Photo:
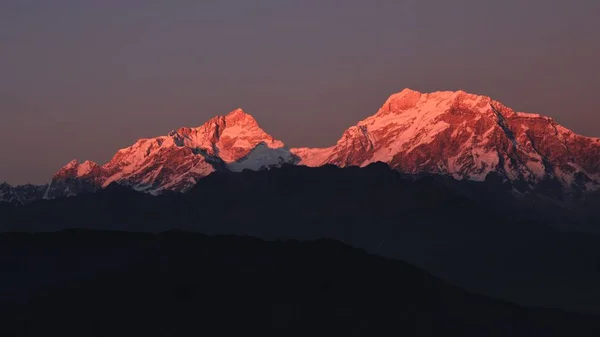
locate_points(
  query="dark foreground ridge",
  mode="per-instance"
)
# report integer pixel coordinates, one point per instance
(287, 193)
(185, 284)
(474, 235)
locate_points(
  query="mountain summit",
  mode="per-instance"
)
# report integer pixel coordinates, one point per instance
(466, 136)
(457, 134)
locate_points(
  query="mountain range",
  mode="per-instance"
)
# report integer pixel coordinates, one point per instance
(455, 134)
(458, 185)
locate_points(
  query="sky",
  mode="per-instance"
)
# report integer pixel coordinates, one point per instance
(80, 79)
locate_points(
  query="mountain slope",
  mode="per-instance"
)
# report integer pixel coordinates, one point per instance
(466, 136)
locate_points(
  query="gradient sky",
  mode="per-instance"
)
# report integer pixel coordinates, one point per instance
(82, 78)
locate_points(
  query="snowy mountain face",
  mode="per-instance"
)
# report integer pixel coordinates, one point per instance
(6, 193)
(23, 194)
(176, 161)
(468, 137)
(458, 134)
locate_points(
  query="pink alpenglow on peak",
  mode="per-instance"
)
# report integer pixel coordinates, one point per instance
(76, 169)
(466, 136)
(403, 100)
(176, 161)
(85, 168)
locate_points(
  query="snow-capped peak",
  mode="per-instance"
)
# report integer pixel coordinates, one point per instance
(231, 137)
(176, 161)
(466, 136)
(403, 100)
(72, 164)
(240, 116)
(85, 168)
(75, 169)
